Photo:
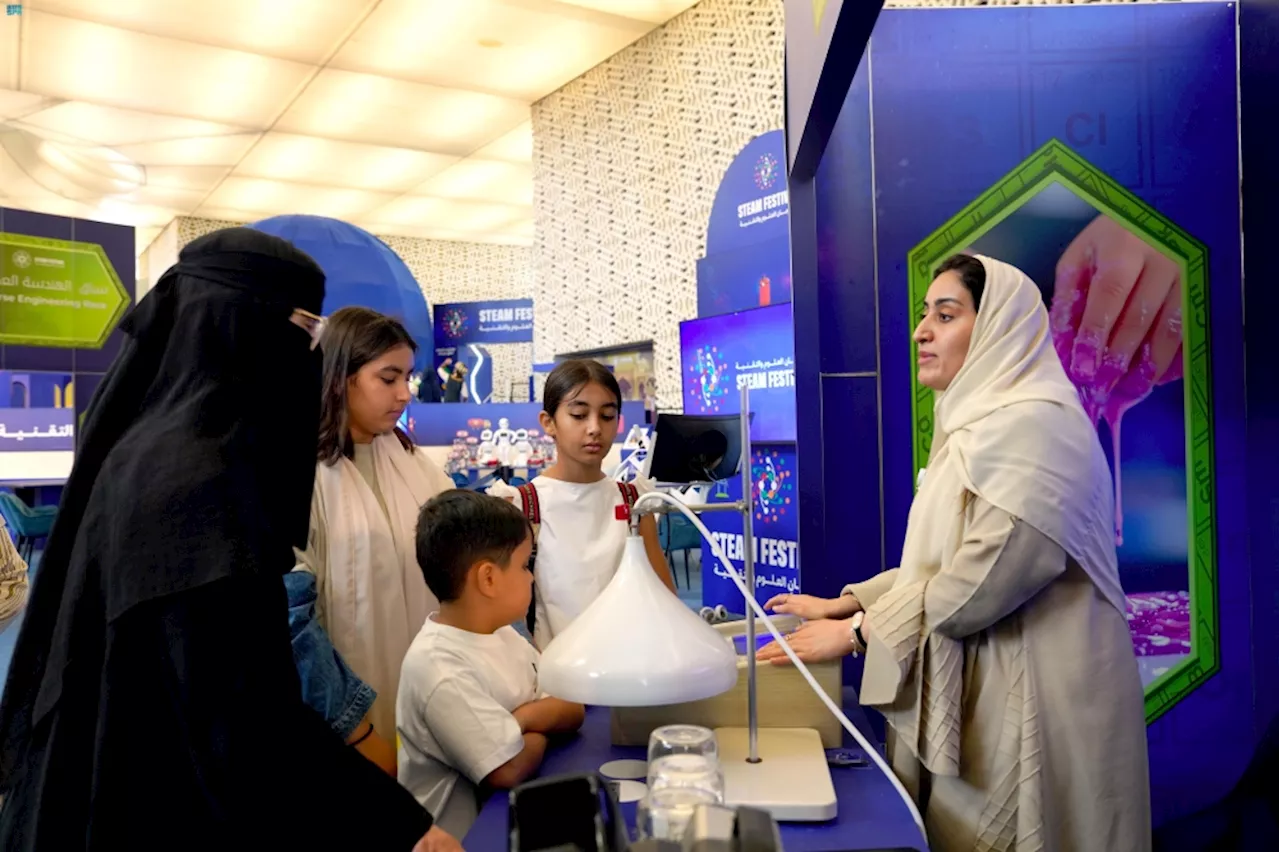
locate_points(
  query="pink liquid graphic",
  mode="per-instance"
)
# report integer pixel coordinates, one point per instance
(1109, 383)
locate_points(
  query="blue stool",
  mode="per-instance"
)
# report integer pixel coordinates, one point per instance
(25, 523)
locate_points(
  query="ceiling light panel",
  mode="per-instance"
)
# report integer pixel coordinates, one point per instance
(17, 184)
(209, 151)
(10, 38)
(174, 198)
(103, 125)
(412, 211)
(129, 213)
(272, 197)
(447, 214)
(301, 30)
(518, 50)
(655, 12)
(483, 180)
(78, 60)
(515, 146)
(309, 159)
(185, 178)
(398, 114)
(523, 230)
(18, 104)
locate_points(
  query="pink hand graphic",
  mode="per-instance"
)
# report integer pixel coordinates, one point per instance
(1116, 321)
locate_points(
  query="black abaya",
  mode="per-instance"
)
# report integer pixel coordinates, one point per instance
(152, 702)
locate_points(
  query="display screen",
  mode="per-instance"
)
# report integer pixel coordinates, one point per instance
(755, 348)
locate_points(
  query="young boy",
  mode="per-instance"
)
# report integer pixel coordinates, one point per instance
(469, 712)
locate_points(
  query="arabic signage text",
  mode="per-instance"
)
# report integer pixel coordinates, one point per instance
(57, 293)
(37, 429)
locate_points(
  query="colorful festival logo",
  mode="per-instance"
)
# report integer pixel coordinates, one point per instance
(766, 171)
(455, 323)
(710, 386)
(771, 486)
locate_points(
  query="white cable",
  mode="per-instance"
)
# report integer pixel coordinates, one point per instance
(872, 753)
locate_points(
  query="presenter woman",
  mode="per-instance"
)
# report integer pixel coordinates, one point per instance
(153, 703)
(998, 651)
(581, 514)
(357, 597)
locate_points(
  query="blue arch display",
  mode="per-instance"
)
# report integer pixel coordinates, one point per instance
(360, 269)
(748, 262)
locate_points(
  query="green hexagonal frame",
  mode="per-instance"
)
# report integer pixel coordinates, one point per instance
(1054, 162)
(109, 276)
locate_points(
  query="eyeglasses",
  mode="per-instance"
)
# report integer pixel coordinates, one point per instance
(310, 323)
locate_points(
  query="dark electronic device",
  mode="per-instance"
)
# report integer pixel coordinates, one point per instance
(567, 813)
(696, 448)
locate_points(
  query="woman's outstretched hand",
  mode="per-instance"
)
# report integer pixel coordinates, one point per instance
(813, 642)
(811, 608)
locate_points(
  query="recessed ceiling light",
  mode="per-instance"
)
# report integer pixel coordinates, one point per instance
(489, 42)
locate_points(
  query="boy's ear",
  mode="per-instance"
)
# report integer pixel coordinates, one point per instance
(486, 577)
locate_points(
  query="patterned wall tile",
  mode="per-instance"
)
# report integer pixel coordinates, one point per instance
(627, 159)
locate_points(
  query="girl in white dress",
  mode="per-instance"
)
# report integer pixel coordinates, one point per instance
(357, 596)
(581, 514)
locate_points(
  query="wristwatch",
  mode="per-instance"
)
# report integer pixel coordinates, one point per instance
(855, 632)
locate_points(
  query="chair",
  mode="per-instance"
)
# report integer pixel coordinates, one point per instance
(25, 523)
(677, 534)
(461, 480)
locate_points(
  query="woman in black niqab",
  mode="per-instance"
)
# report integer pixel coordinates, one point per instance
(152, 701)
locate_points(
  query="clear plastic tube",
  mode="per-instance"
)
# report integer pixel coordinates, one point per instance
(750, 597)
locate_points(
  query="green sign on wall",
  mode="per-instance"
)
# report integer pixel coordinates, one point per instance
(57, 293)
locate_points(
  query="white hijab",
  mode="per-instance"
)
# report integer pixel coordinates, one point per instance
(373, 597)
(1010, 430)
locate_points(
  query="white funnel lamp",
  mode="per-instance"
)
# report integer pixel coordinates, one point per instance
(637, 645)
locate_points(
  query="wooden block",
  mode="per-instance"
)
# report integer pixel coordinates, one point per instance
(785, 700)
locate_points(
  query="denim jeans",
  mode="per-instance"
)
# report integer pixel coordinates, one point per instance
(329, 686)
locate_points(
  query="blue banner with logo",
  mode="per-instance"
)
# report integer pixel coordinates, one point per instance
(503, 321)
(748, 261)
(777, 554)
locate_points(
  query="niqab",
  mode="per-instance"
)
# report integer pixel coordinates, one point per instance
(187, 470)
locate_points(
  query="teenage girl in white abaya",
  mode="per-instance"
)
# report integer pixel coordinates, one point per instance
(357, 596)
(998, 651)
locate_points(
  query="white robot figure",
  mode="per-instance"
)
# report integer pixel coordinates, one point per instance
(498, 444)
(521, 449)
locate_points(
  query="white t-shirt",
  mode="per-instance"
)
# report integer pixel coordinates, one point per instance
(581, 537)
(453, 715)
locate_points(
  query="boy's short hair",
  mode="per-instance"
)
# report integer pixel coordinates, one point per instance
(459, 528)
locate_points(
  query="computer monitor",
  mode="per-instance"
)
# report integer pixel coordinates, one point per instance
(690, 448)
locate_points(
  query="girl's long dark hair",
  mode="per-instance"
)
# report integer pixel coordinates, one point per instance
(352, 337)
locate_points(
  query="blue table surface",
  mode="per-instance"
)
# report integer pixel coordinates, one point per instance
(871, 815)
